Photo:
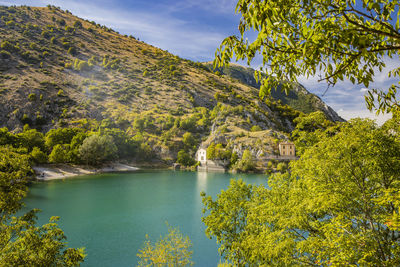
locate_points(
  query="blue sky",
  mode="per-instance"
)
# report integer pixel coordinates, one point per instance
(193, 29)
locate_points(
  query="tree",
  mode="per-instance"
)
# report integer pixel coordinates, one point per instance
(246, 163)
(59, 154)
(211, 151)
(60, 136)
(171, 250)
(38, 155)
(226, 219)
(96, 149)
(22, 243)
(336, 39)
(188, 140)
(185, 159)
(338, 205)
(31, 138)
(309, 128)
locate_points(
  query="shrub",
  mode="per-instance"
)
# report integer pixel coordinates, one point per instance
(59, 154)
(184, 158)
(32, 97)
(38, 156)
(5, 54)
(72, 50)
(246, 163)
(255, 128)
(45, 34)
(77, 24)
(61, 22)
(6, 45)
(97, 149)
(69, 29)
(25, 119)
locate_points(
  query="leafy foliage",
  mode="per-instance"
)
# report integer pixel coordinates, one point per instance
(21, 242)
(171, 250)
(340, 39)
(333, 208)
(97, 149)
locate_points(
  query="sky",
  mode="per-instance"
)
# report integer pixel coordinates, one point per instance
(193, 29)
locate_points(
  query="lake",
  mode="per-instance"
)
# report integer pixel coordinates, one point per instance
(110, 214)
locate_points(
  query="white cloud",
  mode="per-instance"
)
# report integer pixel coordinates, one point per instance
(364, 113)
(219, 7)
(363, 90)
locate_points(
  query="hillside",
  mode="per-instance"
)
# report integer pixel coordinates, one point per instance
(57, 70)
(298, 98)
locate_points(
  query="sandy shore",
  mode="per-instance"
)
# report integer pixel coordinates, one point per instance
(62, 171)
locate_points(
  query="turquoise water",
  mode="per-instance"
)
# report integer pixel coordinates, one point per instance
(110, 214)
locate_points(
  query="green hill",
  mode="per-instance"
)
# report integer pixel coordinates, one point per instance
(57, 70)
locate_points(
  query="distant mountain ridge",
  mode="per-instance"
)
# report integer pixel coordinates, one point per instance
(298, 98)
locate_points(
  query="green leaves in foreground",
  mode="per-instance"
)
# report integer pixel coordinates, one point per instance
(22, 243)
(335, 40)
(172, 250)
(338, 206)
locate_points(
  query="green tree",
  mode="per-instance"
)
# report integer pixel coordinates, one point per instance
(340, 39)
(38, 155)
(309, 128)
(60, 136)
(31, 138)
(211, 151)
(22, 243)
(188, 140)
(171, 250)
(246, 163)
(184, 158)
(60, 154)
(96, 149)
(336, 207)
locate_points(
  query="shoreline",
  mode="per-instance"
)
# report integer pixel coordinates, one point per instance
(64, 171)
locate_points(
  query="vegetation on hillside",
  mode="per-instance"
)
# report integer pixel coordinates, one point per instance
(58, 70)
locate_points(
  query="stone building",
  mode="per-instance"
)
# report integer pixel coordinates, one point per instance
(287, 149)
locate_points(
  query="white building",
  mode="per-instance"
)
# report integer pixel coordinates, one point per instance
(201, 155)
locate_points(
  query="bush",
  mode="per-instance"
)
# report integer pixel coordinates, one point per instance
(255, 128)
(6, 45)
(59, 154)
(185, 159)
(32, 97)
(38, 156)
(69, 29)
(281, 167)
(246, 163)
(72, 50)
(77, 24)
(96, 149)
(5, 54)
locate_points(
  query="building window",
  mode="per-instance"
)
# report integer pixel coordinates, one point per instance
(283, 152)
(202, 158)
(283, 147)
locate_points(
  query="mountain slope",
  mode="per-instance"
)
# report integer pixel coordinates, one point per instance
(57, 70)
(298, 98)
